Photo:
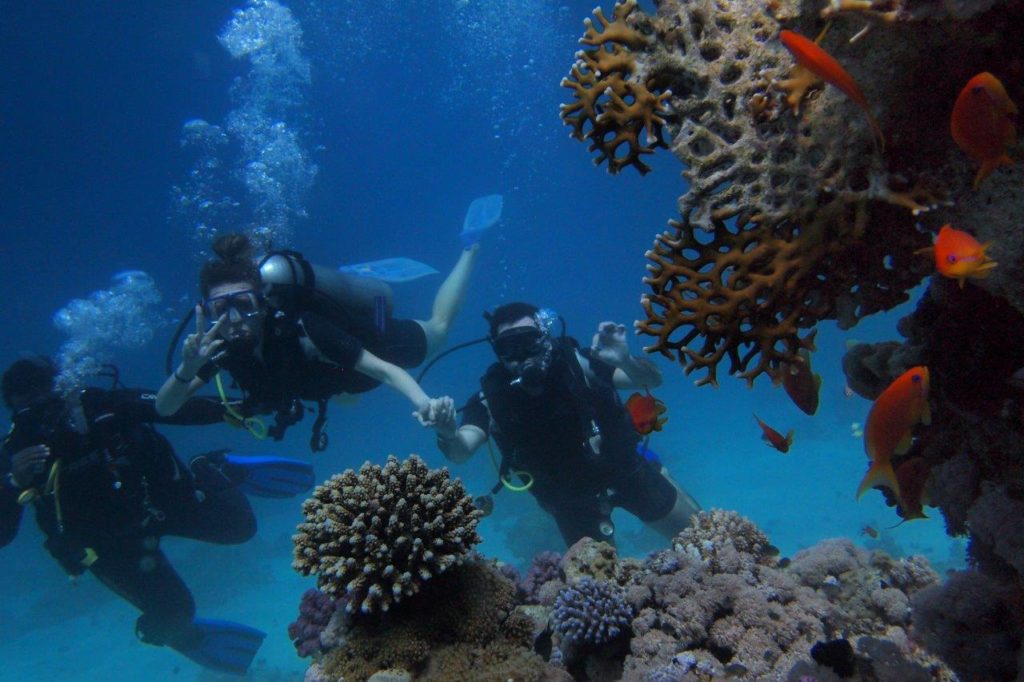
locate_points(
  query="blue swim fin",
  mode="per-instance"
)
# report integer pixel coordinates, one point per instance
(393, 270)
(270, 476)
(647, 453)
(481, 215)
(223, 645)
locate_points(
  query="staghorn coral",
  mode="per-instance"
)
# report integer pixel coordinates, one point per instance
(591, 613)
(377, 536)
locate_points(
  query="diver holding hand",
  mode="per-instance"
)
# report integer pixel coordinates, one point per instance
(284, 340)
(106, 487)
(554, 411)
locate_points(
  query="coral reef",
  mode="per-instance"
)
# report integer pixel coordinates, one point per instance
(591, 613)
(719, 602)
(315, 611)
(378, 536)
(462, 625)
(974, 448)
(810, 219)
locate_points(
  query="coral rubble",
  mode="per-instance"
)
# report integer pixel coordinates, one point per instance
(376, 536)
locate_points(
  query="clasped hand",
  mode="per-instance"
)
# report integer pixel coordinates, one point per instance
(609, 344)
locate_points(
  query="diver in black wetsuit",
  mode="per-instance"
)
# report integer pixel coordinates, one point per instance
(280, 355)
(106, 487)
(564, 434)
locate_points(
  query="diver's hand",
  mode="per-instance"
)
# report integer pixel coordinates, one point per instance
(203, 346)
(444, 418)
(29, 463)
(434, 410)
(609, 344)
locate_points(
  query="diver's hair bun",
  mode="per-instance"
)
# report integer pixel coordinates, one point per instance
(233, 248)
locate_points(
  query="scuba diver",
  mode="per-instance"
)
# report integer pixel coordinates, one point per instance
(106, 486)
(288, 331)
(563, 432)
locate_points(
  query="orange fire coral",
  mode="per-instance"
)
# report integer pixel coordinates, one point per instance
(616, 105)
(745, 291)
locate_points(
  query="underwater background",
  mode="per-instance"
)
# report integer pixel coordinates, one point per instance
(352, 132)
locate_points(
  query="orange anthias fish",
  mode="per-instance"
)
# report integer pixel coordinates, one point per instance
(984, 123)
(646, 411)
(773, 438)
(824, 66)
(958, 255)
(802, 384)
(912, 477)
(888, 431)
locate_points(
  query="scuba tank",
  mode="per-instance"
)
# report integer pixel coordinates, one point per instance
(290, 282)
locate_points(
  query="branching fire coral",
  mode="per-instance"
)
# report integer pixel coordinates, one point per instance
(746, 291)
(613, 107)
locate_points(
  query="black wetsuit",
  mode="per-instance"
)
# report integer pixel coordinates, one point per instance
(548, 436)
(119, 489)
(291, 370)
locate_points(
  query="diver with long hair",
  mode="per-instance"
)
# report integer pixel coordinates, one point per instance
(286, 344)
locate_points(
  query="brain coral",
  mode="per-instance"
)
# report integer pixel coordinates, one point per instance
(378, 535)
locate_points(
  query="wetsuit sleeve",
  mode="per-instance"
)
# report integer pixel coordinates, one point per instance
(208, 371)
(140, 406)
(336, 344)
(599, 367)
(10, 510)
(475, 413)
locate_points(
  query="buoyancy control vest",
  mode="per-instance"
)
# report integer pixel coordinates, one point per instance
(549, 435)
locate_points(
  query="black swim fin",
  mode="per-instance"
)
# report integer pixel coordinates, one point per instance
(265, 476)
(225, 646)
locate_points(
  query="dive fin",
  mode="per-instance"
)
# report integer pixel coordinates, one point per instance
(270, 476)
(481, 215)
(225, 646)
(393, 270)
(647, 453)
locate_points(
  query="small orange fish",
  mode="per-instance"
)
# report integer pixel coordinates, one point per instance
(888, 431)
(802, 384)
(869, 531)
(984, 123)
(958, 255)
(824, 66)
(773, 438)
(912, 477)
(646, 411)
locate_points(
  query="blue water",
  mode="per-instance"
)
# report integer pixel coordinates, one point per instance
(411, 110)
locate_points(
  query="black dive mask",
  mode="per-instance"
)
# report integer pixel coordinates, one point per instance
(40, 422)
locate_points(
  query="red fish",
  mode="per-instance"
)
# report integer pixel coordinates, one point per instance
(984, 123)
(888, 431)
(802, 384)
(773, 438)
(958, 255)
(912, 477)
(646, 411)
(824, 66)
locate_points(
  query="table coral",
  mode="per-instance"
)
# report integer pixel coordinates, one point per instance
(378, 535)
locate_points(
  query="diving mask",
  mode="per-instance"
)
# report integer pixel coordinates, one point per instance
(238, 306)
(519, 343)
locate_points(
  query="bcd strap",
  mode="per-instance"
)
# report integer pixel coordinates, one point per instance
(318, 440)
